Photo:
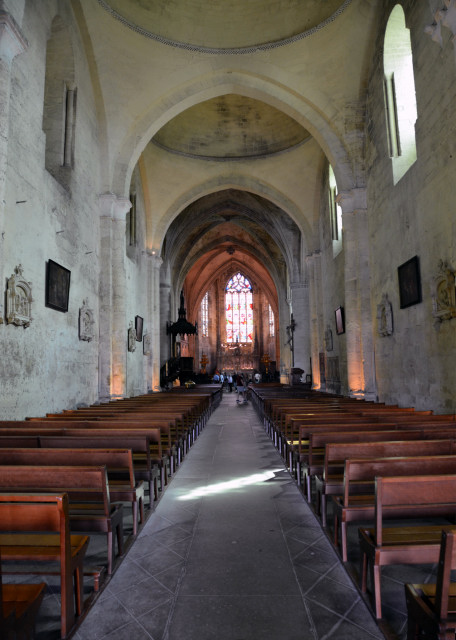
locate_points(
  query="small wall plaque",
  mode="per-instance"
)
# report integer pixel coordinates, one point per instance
(86, 322)
(19, 299)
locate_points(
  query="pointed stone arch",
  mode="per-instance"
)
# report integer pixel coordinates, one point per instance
(221, 82)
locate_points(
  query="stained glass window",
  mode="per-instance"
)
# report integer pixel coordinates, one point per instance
(239, 309)
(271, 322)
(205, 315)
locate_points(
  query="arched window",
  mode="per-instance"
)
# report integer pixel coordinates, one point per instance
(239, 309)
(335, 214)
(271, 323)
(59, 113)
(205, 315)
(399, 91)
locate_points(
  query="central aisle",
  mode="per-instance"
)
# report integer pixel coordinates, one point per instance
(232, 552)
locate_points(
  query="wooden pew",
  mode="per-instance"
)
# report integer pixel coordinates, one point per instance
(116, 435)
(414, 544)
(119, 463)
(35, 529)
(148, 459)
(168, 447)
(331, 482)
(19, 606)
(360, 474)
(87, 487)
(431, 608)
(313, 462)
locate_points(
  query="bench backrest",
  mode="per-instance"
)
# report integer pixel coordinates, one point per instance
(321, 439)
(367, 469)
(117, 461)
(409, 492)
(337, 453)
(82, 484)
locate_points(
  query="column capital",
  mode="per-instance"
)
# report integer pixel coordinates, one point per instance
(154, 258)
(353, 200)
(12, 42)
(112, 206)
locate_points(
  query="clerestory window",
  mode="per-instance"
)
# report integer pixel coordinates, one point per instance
(335, 214)
(204, 314)
(399, 94)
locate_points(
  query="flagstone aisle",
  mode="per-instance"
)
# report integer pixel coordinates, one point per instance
(232, 552)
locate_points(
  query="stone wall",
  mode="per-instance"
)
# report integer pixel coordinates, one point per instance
(415, 363)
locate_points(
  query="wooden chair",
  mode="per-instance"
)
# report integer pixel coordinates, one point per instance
(431, 608)
(412, 544)
(35, 530)
(90, 507)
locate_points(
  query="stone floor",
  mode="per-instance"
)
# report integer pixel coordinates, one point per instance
(232, 551)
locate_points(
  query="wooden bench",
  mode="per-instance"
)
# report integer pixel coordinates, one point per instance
(312, 462)
(331, 483)
(147, 458)
(169, 448)
(360, 474)
(431, 608)
(414, 544)
(35, 529)
(119, 463)
(88, 491)
(19, 606)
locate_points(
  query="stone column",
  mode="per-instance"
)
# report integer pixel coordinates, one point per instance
(358, 317)
(12, 43)
(165, 315)
(301, 315)
(314, 273)
(285, 352)
(113, 320)
(155, 263)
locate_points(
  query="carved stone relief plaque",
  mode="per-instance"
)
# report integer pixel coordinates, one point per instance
(328, 339)
(385, 317)
(444, 293)
(131, 337)
(147, 344)
(19, 299)
(86, 322)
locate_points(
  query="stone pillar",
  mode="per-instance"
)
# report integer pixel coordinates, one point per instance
(301, 315)
(314, 273)
(358, 317)
(155, 263)
(165, 316)
(12, 43)
(113, 320)
(285, 352)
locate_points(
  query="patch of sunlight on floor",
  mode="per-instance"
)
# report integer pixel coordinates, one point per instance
(230, 485)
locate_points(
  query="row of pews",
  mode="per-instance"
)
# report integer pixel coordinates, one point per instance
(67, 476)
(392, 470)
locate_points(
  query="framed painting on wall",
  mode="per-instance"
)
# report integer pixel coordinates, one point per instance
(409, 283)
(57, 286)
(340, 320)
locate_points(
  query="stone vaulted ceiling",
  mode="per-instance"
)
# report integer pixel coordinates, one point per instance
(225, 25)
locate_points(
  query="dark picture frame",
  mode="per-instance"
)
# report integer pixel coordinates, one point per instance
(139, 323)
(340, 320)
(409, 283)
(57, 286)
